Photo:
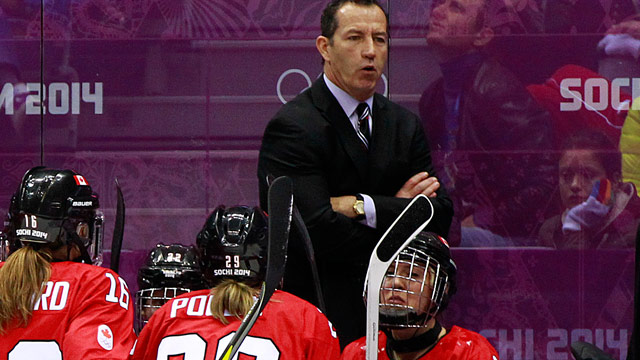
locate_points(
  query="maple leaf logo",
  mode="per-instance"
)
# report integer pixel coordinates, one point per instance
(106, 333)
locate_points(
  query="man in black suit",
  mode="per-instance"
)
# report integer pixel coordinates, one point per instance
(356, 160)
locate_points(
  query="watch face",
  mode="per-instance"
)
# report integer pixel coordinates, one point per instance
(359, 207)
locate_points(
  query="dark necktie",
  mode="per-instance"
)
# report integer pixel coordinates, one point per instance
(363, 123)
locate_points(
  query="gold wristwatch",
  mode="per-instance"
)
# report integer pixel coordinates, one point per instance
(358, 207)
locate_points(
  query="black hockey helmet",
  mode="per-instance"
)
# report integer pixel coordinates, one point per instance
(418, 284)
(233, 244)
(169, 271)
(56, 205)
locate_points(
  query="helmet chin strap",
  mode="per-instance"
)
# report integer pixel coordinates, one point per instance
(416, 343)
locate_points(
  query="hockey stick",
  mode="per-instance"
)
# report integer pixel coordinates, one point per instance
(118, 230)
(410, 222)
(306, 239)
(280, 209)
(308, 246)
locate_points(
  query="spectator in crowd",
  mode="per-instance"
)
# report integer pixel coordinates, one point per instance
(600, 211)
(630, 145)
(416, 289)
(356, 160)
(489, 138)
(198, 325)
(169, 271)
(53, 301)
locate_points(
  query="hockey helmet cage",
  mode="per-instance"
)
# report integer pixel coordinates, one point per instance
(169, 271)
(418, 284)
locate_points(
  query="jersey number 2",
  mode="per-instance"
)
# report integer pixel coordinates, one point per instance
(32, 349)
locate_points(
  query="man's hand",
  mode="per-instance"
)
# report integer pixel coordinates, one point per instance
(344, 205)
(420, 183)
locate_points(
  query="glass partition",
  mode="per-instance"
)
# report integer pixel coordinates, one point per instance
(172, 98)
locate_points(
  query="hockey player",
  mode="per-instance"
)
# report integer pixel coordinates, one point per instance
(169, 271)
(417, 287)
(54, 303)
(199, 325)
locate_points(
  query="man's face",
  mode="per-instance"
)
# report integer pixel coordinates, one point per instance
(356, 55)
(454, 25)
(579, 169)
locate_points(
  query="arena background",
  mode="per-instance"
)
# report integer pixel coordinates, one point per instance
(172, 97)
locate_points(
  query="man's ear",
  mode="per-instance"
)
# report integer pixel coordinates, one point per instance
(322, 44)
(483, 37)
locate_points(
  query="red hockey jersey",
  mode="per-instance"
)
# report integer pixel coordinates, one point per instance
(288, 328)
(85, 312)
(457, 344)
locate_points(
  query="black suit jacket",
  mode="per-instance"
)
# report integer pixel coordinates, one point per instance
(312, 141)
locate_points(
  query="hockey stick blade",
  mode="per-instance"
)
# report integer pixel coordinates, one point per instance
(280, 203)
(413, 219)
(118, 230)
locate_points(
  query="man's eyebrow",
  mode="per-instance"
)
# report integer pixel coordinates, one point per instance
(354, 30)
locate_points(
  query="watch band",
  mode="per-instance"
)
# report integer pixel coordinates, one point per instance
(358, 207)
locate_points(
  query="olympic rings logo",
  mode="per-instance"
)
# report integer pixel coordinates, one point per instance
(309, 82)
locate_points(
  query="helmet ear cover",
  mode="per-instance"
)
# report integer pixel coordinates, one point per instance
(233, 245)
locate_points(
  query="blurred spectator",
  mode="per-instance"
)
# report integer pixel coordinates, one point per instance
(630, 146)
(489, 138)
(575, 106)
(618, 52)
(599, 210)
(574, 28)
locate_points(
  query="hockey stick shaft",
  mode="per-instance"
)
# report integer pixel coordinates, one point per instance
(413, 219)
(306, 239)
(118, 230)
(303, 233)
(280, 203)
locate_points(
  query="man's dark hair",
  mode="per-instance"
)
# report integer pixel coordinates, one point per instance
(329, 21)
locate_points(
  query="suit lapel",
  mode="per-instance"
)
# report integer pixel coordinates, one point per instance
(333, 113)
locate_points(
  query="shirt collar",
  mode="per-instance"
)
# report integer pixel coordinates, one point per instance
(346, 101)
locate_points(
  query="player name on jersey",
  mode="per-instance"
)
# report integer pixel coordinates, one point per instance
(192, 306)
(54, 297)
